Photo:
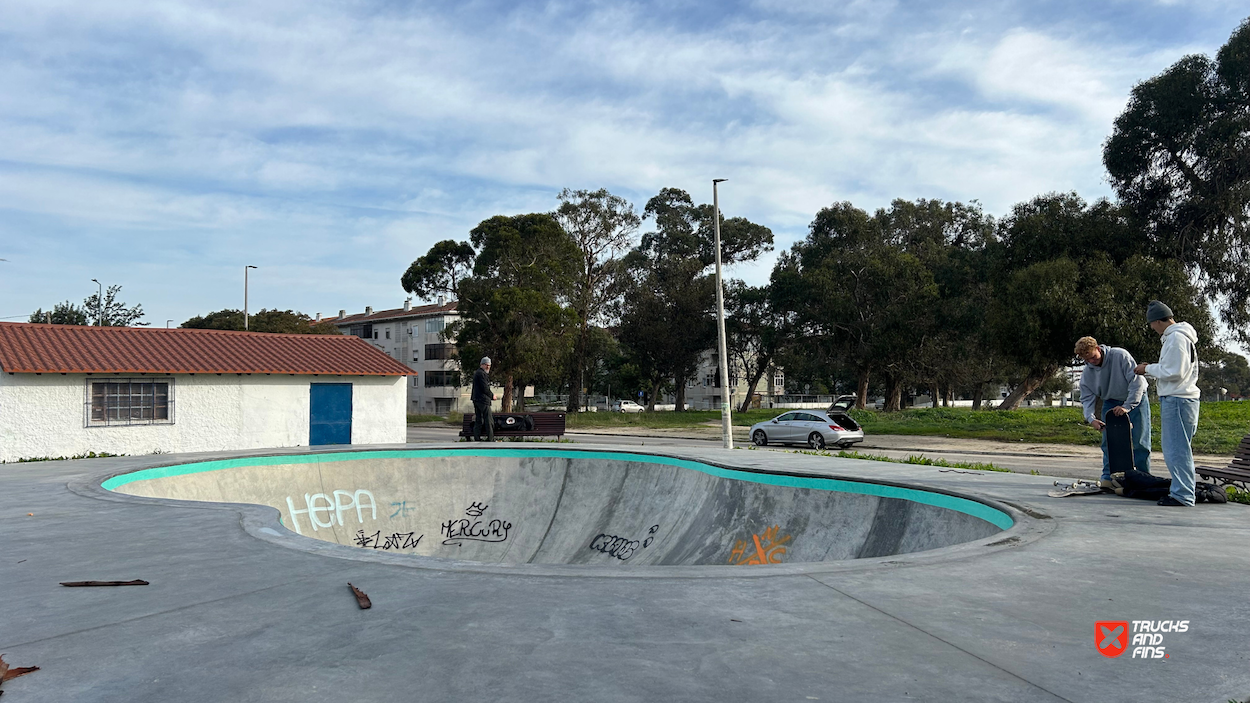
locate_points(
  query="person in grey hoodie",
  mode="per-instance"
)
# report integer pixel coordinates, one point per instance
(1177, 376)
(1108, 374)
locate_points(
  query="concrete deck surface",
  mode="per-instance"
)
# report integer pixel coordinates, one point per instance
(241, 610)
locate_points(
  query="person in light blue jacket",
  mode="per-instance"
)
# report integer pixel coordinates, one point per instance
(1109, 374)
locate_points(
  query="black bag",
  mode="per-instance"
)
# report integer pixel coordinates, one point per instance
(1139, 484)
(1207, 493)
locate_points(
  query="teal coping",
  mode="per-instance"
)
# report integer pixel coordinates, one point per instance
(940, 500)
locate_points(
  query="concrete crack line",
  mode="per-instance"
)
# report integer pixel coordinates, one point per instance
(939, 639)
(152, 615)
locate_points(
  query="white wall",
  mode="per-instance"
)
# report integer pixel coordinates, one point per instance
(42, 415)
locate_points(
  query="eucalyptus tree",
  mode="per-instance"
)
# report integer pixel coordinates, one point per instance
(666, 319)
(602, 227)
(1179, 160)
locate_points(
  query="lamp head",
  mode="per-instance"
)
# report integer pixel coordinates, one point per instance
(719, 180)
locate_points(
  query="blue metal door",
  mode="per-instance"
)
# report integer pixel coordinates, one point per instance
(330, 413)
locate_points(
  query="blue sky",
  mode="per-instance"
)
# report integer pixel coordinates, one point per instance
(162, 145)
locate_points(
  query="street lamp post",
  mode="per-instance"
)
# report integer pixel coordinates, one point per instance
(245, 268)
(99, 304)
(725, 419)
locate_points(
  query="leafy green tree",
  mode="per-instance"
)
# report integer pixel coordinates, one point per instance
(1179, 159)
(440, 270)
(65, 313)
(602, 226)
(756, 331)
(1044, 301)
(1226, 370)
(271, 321)
(666, 321)
(113, 312)
(858, 295)
(512, 308)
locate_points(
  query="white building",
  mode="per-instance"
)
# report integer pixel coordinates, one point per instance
(413, 336)
(703, 392)
(68, 390)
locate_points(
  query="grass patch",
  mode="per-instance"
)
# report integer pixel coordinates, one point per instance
(1236, 495)
(924, 461)
(85, 455)
(1220, 425)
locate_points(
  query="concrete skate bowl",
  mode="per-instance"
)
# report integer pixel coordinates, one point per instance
(551, 506)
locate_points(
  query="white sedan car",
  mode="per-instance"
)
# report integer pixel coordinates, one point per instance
(814, 428)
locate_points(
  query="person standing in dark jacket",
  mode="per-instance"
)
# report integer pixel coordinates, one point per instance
(482, 397)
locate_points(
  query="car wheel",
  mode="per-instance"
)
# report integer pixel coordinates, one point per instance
(816, 440)
(759, 438)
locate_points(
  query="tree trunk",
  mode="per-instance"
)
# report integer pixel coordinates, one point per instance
(505, 405)
(520, 396)
(861, 387)
(948, 395)
(976, 396)
(934, 394)
(655, 392)
(755, 380)
(577, 371)
(1031, 383)
(893, 394)
(680, 399)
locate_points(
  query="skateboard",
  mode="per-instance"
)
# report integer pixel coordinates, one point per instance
(1075, 488)
(1119, 442)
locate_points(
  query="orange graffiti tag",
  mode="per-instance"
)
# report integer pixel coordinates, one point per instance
(768, 548)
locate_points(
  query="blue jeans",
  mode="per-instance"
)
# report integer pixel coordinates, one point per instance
(1180, 421)
(1140, 417)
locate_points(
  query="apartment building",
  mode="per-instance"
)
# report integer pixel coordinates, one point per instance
(703, 392)
(413, 335)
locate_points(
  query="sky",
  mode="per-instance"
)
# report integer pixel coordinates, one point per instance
(163, 145)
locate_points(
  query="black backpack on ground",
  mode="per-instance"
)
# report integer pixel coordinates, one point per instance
(1207, 493)
(1139, 484)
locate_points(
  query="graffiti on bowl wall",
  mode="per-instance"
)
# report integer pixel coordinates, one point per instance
(333, 508)
(766, 548)
(457, 531)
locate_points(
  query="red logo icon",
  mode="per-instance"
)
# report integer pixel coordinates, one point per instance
(1111, 638)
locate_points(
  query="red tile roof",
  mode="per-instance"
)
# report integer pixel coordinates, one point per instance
(36, 348)
(415, 311)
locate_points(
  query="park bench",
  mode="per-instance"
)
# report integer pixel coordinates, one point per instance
(1237, 473)
(520, 425)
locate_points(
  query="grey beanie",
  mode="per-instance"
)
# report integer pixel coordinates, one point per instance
(486, 359)
(1156, 311)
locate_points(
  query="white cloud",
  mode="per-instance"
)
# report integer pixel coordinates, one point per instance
(339, 144)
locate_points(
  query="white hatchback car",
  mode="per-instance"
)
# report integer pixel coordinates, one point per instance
(627, 406)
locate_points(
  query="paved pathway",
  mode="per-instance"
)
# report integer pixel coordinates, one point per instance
(239, 609)
(1055, 460)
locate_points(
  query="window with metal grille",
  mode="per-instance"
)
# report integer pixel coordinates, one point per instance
(439, 351)
(435, 379)
(129, 401)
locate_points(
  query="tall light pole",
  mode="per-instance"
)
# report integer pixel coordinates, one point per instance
(99, 304)
(726, 425)
(245, 268)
